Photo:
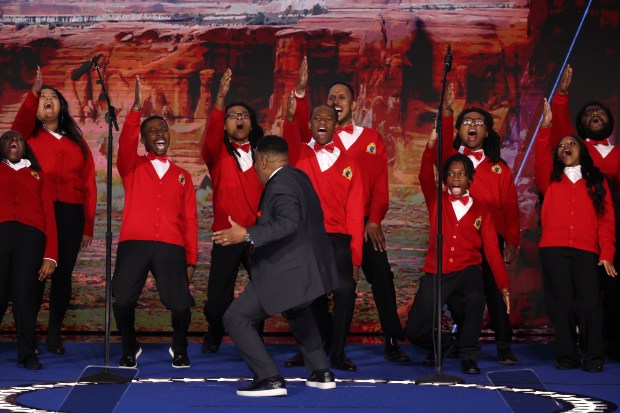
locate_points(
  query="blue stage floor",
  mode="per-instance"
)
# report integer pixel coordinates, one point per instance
(378, 386)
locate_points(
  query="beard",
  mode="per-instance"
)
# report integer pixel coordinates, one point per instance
(597, 135)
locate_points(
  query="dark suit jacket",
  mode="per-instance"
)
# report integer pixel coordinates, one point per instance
(292, 262)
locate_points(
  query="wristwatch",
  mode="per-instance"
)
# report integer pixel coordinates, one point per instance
(247, 237)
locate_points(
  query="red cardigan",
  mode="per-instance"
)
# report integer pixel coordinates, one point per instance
(70, 174)
(155, 209)
(568, 216)
(235, 193)
(562, 126)
(27, 199)
(463, 239)
(494, 185)
(369, 152)
(339, 189)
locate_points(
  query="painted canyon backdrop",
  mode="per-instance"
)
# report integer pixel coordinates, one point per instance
(507, 57)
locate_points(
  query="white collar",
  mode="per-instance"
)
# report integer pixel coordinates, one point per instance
(274, 172)
(23, 163)
(573, 173)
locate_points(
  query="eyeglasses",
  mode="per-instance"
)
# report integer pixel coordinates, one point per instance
(470, 121)
(240, 115)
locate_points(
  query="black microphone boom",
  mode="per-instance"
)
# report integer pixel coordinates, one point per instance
(86, 66)
(448, 59)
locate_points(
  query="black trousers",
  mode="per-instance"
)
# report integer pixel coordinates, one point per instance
(225, 262)
(381, 278)
(241, 320)
(465, 287)
(21, 256)
(334, 326)
(611, 306)
(167, 263)
(70, 228)
(572, 284)
(500, 321)
(610, 287)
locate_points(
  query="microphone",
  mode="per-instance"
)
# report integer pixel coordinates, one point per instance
(448, 59)
(86, 66)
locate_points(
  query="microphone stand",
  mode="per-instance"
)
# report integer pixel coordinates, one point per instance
(105, 376)
(438, 377)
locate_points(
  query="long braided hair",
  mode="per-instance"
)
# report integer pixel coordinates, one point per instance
(256, 133)
(491, 144)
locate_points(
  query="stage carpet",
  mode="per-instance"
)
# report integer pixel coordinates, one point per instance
(532, 386)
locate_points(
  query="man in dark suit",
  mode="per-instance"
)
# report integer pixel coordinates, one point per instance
(292, 264)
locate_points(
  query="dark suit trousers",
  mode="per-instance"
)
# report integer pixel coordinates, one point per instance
(381, 278)
(167, 263)
(572, 282)
(225, 262)
(21, 256)
(335, 327)
(465, 287)
(70, 228)
(241, 321)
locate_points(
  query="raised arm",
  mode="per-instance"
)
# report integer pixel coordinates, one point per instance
(302, 115)
(27, 113)
(427, 174)
(128, 141)
(562, 125)
(290, 131)
(447, 124)
(543, 151)
(214, 135)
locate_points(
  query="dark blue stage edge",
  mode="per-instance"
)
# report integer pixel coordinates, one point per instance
(378, 386)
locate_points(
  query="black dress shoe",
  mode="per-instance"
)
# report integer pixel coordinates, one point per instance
(129, 360)
(31, 362)
(594, 366)
(343, 363)
(180, 359)
(393, 352)
(469, 367)
(269, 387)
(296, 361)
(321, 379)
(506, 356)
(56, 348)
(211, 343)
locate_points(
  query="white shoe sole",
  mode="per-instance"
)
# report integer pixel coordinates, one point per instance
(323, 386)
(137, 355)
(262, 393)
(172, 355)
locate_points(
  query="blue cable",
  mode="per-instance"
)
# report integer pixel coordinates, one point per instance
(570, 50)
